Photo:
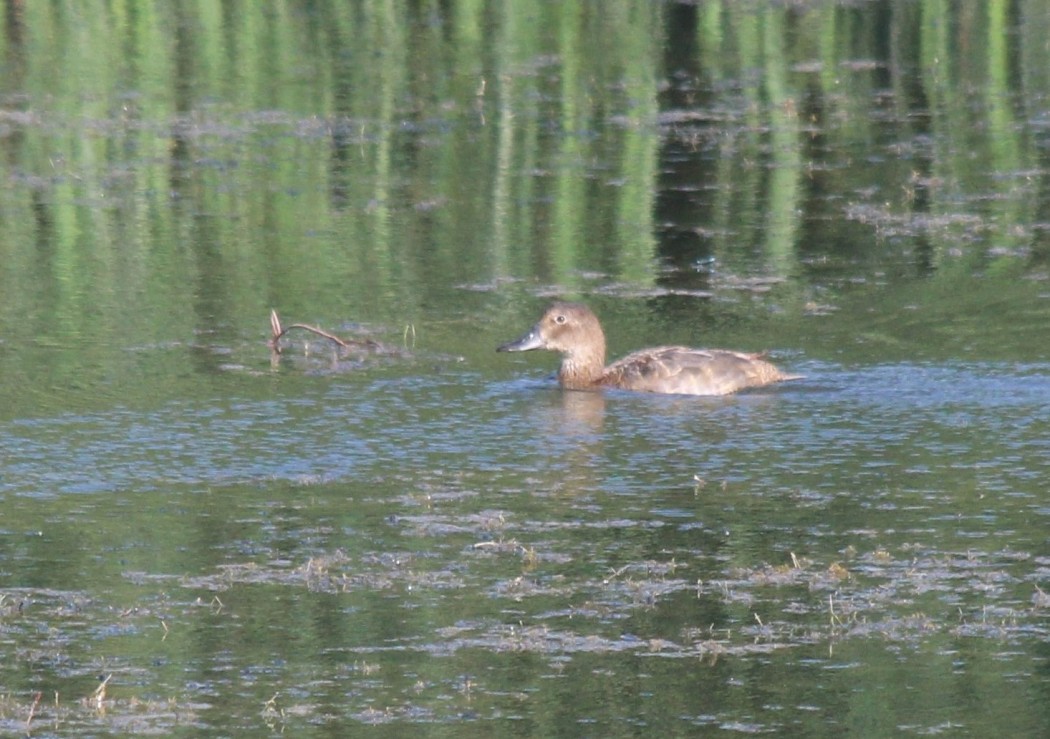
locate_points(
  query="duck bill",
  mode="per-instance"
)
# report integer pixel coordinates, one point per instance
(528, 342)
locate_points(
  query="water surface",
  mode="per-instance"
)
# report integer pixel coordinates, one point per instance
(199, 536)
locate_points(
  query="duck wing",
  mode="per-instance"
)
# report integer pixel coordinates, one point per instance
(686, 371)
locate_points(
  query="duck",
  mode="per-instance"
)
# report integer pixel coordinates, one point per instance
(573, 330)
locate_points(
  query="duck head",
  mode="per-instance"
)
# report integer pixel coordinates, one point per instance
(572, 330)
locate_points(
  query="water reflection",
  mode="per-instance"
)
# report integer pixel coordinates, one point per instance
(582, 413)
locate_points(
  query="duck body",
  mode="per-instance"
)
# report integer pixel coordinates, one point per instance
(574, 331)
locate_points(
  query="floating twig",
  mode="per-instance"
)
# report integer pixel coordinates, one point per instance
(99, 696)
(276, 332)
(32, 710)
(270, 707)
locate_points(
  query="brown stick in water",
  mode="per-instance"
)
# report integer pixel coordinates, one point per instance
(277, 332)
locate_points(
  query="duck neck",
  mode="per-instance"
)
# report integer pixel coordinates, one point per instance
(582, 369)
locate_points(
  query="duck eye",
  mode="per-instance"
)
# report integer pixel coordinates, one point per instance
(559, 319)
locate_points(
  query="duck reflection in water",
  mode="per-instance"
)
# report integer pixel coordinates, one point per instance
(573, 330)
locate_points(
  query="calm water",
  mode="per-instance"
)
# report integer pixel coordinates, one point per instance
(201, 538)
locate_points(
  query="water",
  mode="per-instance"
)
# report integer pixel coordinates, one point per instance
(201, 537)
(446, 550)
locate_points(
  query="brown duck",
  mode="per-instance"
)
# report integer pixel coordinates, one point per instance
(574, 331)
